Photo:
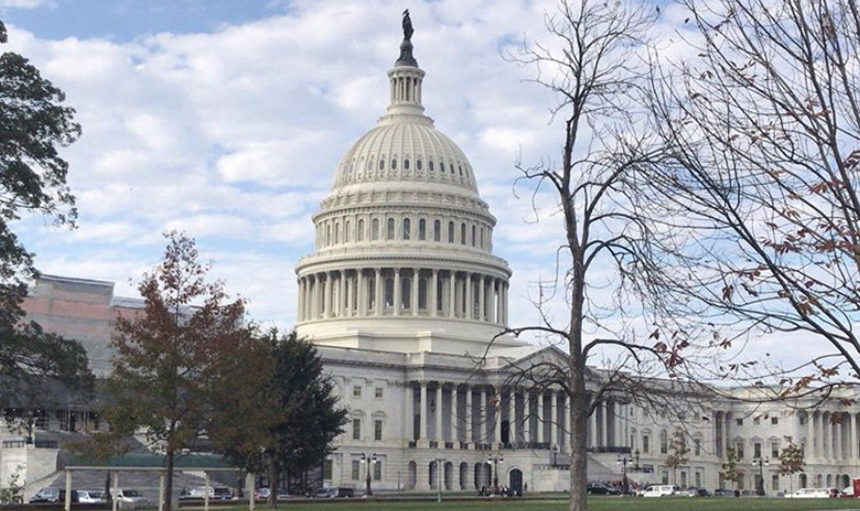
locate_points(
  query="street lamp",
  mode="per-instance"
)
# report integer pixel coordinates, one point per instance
(370, 460)
(623, 461)
(494, 460)
(555, 455)
(761, 462)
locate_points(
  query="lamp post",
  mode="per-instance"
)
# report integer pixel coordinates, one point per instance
(761, 462)
(636, 460)
(555, 455)
(623, 461)
(494, 461)
(370, 460)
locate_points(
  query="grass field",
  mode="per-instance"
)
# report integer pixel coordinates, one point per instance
(594, 504)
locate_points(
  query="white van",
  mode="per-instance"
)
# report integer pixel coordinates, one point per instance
(660, 490)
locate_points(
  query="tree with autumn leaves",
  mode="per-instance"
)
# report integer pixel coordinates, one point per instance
(189, 366)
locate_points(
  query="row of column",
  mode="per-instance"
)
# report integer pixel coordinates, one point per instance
(829, 435)
(485, 415)
(403, 292)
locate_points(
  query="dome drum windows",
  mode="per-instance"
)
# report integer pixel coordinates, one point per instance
(406, 229)
(389, 229)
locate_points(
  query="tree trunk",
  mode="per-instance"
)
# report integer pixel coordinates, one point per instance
(168, 484)
(274, 477)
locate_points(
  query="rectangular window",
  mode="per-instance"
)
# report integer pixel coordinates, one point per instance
(756, 450)
(377, 430)
(356, 429)
(774, 482)
(356, 470)
(803, 421)
(697, 447)
(646, 444)
(774, 420)
(739, 450)
(740, 422)
(756, 421)
(664, 443)
(377, 470)
(328, 469)
(356, 391)
(378, 392)
(774, 450)
(665, 477)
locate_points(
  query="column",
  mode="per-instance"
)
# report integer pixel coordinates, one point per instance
(350, 296)
(527, 416)
(415, 280)
(553, 418)
(498, 296)
(301, 301)
(852, 437)
(469, 305)
(455, 427)
(327, 296)
(482, 309)
(810, 435)
(361, 296)
(837, 430)
(422, 432)
(604, 427)
(482, 418)
(504, 304)
(512, 415)
(540, 422)
(566, 421)
(377, 309)
(341, 302)
(397, 292)
(469, 434)
(431, 303)
(410, 413)
(592, 429)
(439, 436)
(452, 294)
(497, 414)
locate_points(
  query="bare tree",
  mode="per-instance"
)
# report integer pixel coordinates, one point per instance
(591, 66)
(763, 129)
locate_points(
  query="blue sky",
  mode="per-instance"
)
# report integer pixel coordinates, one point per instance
(226, 119)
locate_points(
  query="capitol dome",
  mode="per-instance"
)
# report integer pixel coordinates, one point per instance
(403, 255)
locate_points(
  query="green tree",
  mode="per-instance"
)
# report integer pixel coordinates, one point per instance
(730, 471)
(169, 354)
(33, 126)
(302, 416)
(680, 453)
(791, 460)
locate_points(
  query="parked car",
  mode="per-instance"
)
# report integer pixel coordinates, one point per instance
(52, 495)
(809, 493)
(131, 499)
(660, 490)
(724, 492)
(601, 489)
(199, 493)
(91, 496)
(262, 494)
(333, 493)
(693, 492)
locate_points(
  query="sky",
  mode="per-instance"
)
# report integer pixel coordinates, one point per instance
(226, 119)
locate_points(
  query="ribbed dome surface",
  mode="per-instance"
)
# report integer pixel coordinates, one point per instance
(405, 148)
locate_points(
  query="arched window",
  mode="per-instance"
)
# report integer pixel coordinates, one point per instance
(441, 166)
(437, 230)
(450, 232)
(463, 233)
(664, 442)
(359, 233)
(336, 233)
(406, 226)
(418, 163)
(422, 293)
(406, 293)
(430, 164)
(374, 230)
(347, 234)
(474, 241)
(389, 229)
(381, 164)
(393, 164)
(388, 290)
(482, 237)
(327, 234)
(406, 164)
(422, 229)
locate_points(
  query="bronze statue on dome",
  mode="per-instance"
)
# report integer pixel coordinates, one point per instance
(406, 58)
(407, 26)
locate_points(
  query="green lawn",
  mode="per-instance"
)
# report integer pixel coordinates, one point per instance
(594, 504)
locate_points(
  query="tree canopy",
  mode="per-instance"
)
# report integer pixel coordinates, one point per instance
(34, 125)
(170, 355)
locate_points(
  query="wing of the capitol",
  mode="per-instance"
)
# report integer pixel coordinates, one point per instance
(405, 300)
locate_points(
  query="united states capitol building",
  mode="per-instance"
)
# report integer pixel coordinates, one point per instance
(406, 300)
